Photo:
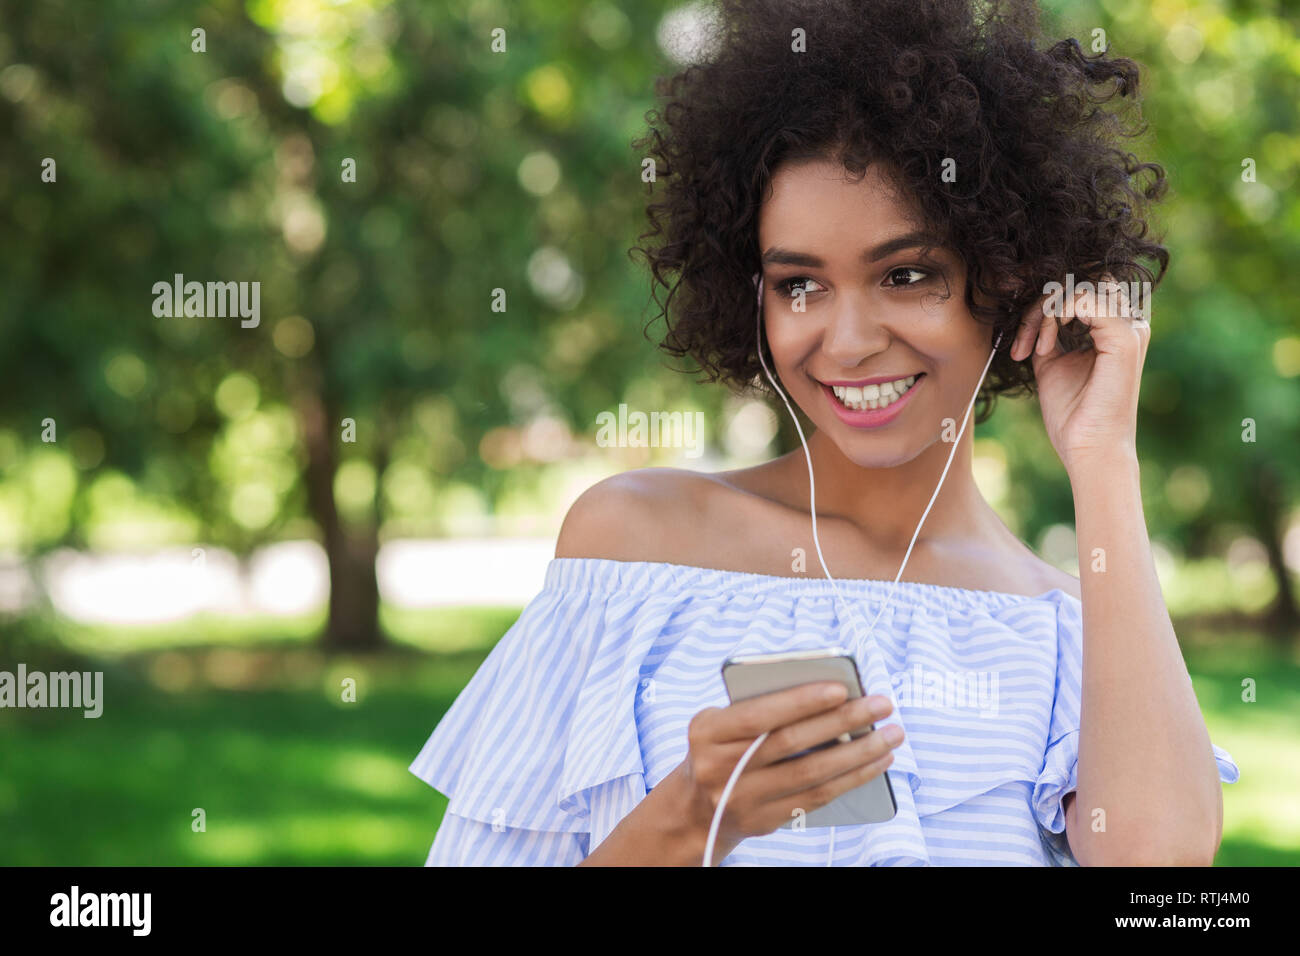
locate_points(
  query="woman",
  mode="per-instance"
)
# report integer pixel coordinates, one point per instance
(899, 183)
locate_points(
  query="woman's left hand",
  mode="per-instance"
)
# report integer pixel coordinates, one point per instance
(1088, 397)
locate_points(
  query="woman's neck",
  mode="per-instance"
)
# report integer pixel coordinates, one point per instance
(886, 503)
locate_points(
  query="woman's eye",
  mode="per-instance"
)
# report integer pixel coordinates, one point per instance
(907, 276)
(788, 287)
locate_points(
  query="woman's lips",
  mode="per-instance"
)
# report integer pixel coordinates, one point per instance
(870, 417)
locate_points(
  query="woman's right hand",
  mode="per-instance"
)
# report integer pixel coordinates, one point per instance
(769, 792)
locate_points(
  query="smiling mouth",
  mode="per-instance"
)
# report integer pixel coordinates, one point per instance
(877, 396)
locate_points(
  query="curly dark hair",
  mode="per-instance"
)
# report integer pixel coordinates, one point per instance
(1042, 188)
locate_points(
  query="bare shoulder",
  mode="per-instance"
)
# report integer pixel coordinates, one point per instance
(1030, 572)
(1053, 578)
(636, 516)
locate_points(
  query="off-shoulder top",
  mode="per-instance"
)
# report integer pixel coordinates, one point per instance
(583, 706)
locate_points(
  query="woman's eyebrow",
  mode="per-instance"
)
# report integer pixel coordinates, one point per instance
(777, 255)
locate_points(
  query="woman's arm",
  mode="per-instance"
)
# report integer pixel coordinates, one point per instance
(1145, 757)
(658, 832)
(1148, 784)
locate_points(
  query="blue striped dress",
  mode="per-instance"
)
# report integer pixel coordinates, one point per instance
(583, 706)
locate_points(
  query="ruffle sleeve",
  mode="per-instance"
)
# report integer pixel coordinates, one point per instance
(1059, 773)
(543, 738)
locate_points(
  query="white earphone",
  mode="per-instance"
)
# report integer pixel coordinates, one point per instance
(812, 508)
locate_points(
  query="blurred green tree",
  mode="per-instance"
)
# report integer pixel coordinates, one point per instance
(505, 176)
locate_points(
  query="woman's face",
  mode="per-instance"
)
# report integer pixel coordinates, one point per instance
(885, 349)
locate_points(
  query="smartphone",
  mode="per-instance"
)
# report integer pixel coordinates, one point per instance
(754, 675)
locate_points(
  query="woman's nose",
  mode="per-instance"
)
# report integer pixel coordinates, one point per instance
(852, 334)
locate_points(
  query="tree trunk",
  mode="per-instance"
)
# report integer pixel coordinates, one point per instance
(354, 588)
(354, 595)
(1283, 616)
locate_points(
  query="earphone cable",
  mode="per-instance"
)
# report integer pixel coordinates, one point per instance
(839, 598)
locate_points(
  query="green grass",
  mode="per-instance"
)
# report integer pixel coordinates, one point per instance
(1261, 811)
(285, 774)
(255, 733)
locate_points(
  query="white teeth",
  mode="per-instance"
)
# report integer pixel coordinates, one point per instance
(881, 395)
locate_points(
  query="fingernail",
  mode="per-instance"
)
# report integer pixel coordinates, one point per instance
(894, 734)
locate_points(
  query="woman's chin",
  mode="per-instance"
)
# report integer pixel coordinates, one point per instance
(874, 451)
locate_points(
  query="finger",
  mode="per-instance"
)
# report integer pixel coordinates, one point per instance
(1139, 315)
(1106, 308)
(1032, 318)
(746, 719)
(1047, 336)
(812, 770)
(850, 717)
(819, 796)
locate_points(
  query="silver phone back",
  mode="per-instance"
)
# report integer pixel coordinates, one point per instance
(873, 802)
